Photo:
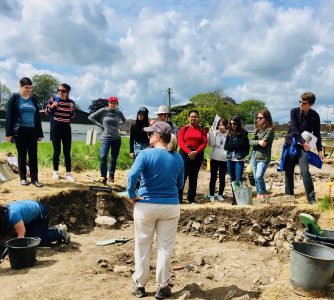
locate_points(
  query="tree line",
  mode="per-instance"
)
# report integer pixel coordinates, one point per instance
(208, 104)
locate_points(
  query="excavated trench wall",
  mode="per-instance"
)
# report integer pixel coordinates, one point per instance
(267, 225)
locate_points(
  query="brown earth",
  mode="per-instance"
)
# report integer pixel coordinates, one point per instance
(215, 256)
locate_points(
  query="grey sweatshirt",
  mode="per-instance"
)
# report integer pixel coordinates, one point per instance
(108, 119)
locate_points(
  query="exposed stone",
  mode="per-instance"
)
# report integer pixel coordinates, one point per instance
(120, 269)
(105, 221)
(73, 220)
(200, 261)
(256, 228)
(196, 225)
(185, 296)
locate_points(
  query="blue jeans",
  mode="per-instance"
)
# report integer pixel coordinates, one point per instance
(115, 146)
(235, 169)
(40, 228)
(259, 168)
(289, 167)
(139, 147)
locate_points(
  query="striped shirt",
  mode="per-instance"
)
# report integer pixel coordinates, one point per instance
(63, 113)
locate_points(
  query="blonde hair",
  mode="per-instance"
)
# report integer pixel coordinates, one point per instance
(172, 145)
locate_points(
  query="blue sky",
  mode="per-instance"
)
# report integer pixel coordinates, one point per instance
(267, 50)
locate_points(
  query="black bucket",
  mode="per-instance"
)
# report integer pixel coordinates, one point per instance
(22, 252)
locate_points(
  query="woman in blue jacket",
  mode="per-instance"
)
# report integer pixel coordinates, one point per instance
(23, 127)
(237, 146)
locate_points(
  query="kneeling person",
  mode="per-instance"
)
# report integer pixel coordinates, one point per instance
(31, 218)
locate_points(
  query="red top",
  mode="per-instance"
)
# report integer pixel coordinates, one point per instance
(192, 138)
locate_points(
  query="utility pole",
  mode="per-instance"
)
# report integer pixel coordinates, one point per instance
(170, 91)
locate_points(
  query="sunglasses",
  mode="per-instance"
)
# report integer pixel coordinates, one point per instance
(233, 123)
(303, 103)
(62, 91)
(260, 118)
(149, 134)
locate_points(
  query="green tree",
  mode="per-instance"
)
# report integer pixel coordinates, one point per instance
(4, 95)
(247, 110)
(44, 86)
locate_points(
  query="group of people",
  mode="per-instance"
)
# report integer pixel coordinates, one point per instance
(158, 174)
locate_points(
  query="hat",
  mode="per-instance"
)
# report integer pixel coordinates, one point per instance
(113, 98)
(142, 110)
(163, 109)
(160, 127)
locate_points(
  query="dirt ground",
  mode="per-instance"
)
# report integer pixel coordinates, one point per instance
(202, 267)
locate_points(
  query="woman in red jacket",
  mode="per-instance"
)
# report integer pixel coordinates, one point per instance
(192, 140)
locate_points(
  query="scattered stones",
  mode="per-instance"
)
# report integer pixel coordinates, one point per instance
(120, 269)
(73, 220)
(256, 228)
(185, 296)
(196, 225)
(200, 261)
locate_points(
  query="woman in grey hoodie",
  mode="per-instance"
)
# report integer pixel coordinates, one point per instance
(108, 118)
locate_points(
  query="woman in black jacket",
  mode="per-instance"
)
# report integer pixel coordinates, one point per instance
(237, 146)
(23, 127)
(138, 137)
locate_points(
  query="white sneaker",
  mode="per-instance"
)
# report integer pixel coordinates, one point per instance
(212, 198)
(55, 175)
(220, 198)
(69, 177)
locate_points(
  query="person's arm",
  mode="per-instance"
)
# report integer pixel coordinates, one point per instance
(268, 138)
(38, 123)
(94, 116)
(73, 110)
(132, 140)
(9, 125)
(180, 179)
(243, 141)
(204, 141)
(294, 125)
(134, 175)
(181, 141)
(51, 106)
(122, 117)
(20, 229)
(227, 145)
(212, 137)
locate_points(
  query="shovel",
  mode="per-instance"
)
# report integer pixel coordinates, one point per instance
(3, 255)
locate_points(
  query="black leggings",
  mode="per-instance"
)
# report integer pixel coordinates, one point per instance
(216, 165)
(26, 143)
(61, 133)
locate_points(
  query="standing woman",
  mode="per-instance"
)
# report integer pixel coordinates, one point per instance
(156, 208)
(192, 140)
(218, 159)
(23, 127)
(237, 146)
(61, 110)
(261, 154)
(108, 118)
(138, 137)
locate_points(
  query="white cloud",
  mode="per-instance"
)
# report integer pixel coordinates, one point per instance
(137, 50)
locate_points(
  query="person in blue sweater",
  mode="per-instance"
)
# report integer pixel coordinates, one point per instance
(156, 207)
(31, 218)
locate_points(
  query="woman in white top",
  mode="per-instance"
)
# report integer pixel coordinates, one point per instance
(216, 140)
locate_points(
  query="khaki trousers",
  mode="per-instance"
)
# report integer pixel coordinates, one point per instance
(161, 219)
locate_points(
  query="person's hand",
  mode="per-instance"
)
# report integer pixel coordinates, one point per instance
(321, 155)
(262, 143)
(192, 155)
(54, 104)
(9, 138)
(134, 200)
(132, 155)
(152, 122)
(306, 147)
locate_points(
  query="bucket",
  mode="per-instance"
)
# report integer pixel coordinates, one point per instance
(22, 252)
(242, 193)
(311, 269)
(326, 237)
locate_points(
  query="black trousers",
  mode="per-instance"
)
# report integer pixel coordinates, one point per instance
(61, 133)
(216, 165)
(26, 143)
(191, 170)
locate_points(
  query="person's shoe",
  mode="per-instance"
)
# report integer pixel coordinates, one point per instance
(103, 180)
(312, 202)
(163, 293)
(24, 182)
(55, 175)
(212, 198)
(220, 198)
(69, 177)
(62, 229)
(36, 183)
(193, 203)
(111, 178)
(139, 292)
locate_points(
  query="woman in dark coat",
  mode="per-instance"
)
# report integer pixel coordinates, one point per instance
(23, 127)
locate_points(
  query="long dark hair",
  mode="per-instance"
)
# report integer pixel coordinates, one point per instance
(145, 122)
(235, 130)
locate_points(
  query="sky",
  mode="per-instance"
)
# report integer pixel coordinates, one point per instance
(271, 51)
